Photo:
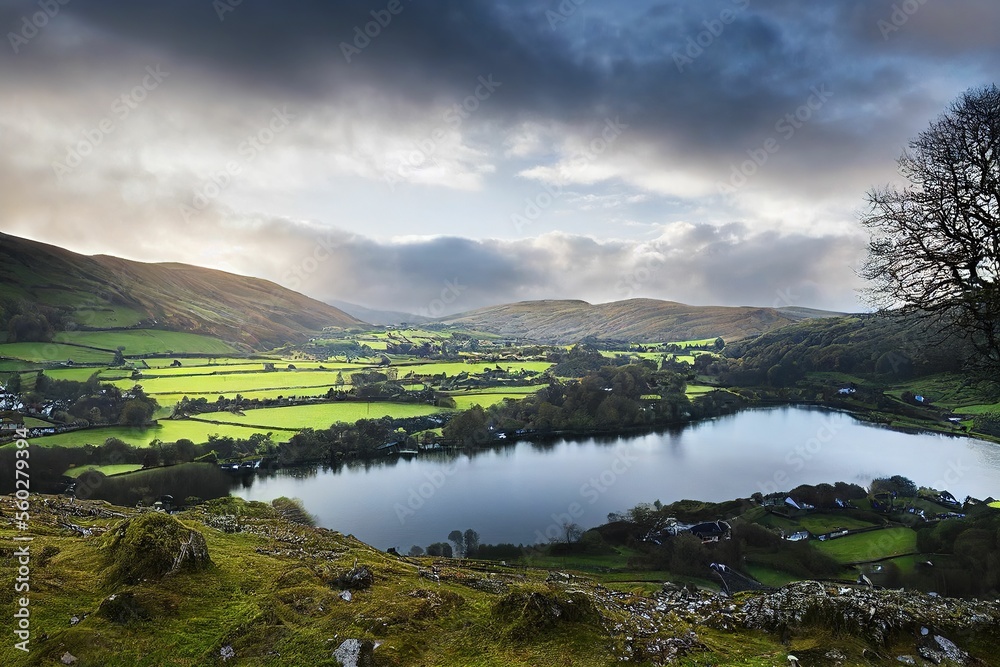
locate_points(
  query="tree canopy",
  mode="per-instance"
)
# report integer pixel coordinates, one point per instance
(935, 243)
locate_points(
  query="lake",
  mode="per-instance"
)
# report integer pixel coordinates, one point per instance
(523, 492)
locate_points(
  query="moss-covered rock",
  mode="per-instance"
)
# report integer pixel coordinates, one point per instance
(525, 614)
(151, 546)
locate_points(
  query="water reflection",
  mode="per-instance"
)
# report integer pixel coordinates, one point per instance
(516, 492)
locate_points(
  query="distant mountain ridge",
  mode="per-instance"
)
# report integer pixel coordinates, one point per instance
(105, 292)
(379, 317)
(639, 320)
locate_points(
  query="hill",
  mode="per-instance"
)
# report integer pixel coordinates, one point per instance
(896, 348)
(379, 317)
(247, 583)
(637, 320)
(103, 292)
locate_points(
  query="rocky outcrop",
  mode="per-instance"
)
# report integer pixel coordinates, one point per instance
(879, 616)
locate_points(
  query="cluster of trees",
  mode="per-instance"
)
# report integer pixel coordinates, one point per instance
(343, 440)
(459, 545)
(89, 402)
(580, 360)
(893, 348)
(25, 321)
(612, 397)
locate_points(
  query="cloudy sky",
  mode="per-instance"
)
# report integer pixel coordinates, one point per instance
(436, 156)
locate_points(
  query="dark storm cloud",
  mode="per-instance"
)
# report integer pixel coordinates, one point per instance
(702, 86)
(591, 63)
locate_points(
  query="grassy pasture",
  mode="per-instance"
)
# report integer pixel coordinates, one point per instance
(236, 382)
(54, 352)
(196, 362)
(322, 415)
(116, 469)
(871, 546)
(17, 366)
(249, 367)
(147, 341)
(173, 399)
(817, 524)
(75, 374)
(167, 431)
(464, 401)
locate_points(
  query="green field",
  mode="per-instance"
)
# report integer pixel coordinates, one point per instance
(213, 385)
(464, 401)
(769, 576)
(147, 341)
(262, 394)
(116, 469)
(54, 352)
(817, 524)
(194, 362)
(166, 431)
(247, 367)
(75, 374)
(870, 546)
(15, 365)
(322, 415)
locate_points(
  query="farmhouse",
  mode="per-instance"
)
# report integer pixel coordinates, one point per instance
(10, 422)
(711, 531)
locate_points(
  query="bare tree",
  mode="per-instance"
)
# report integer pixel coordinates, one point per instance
(572, 531)
(935, 243)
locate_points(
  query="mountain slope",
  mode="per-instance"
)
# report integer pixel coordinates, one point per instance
(103, 292)
(640, 320)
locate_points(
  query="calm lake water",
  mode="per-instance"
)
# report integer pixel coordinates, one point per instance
(523, 492)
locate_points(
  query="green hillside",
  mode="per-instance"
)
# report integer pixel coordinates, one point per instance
(102, 292)
(636, 320)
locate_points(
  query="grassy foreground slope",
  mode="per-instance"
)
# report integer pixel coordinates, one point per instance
(235, 582)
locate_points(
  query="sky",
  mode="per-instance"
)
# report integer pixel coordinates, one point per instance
(439, 156)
